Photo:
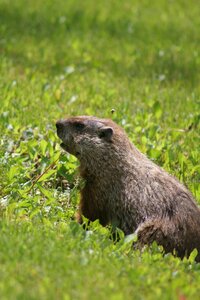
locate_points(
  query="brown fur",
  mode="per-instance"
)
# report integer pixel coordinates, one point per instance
(126, 189)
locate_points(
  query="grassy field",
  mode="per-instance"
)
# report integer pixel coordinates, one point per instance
(62, 58)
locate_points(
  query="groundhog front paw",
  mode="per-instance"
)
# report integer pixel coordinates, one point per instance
(79, 218)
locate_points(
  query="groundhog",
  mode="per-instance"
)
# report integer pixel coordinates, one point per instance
(127, 190)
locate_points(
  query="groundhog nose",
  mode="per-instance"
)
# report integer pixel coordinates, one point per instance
(59, 125)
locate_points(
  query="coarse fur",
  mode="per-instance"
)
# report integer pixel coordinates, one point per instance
(126, 189)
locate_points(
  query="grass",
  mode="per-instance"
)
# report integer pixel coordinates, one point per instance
(64, 262)
(84, 57)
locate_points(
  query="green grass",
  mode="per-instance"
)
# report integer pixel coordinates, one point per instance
(61, 58)
(65, 262)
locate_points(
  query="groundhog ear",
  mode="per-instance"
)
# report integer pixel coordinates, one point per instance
(106, 133)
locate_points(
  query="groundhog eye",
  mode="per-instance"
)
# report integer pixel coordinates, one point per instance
(79, 126)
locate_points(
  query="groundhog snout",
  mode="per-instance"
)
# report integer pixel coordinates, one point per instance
(61, 129)
(60, 124)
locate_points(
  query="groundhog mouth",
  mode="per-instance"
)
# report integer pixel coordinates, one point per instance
(67, 148)
(64, 146)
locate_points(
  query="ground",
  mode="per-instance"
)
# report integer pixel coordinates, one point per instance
(64, 58)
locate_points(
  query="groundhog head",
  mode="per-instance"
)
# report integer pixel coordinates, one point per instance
(85, 137)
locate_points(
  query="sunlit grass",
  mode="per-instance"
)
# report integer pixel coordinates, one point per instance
(83, 57)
